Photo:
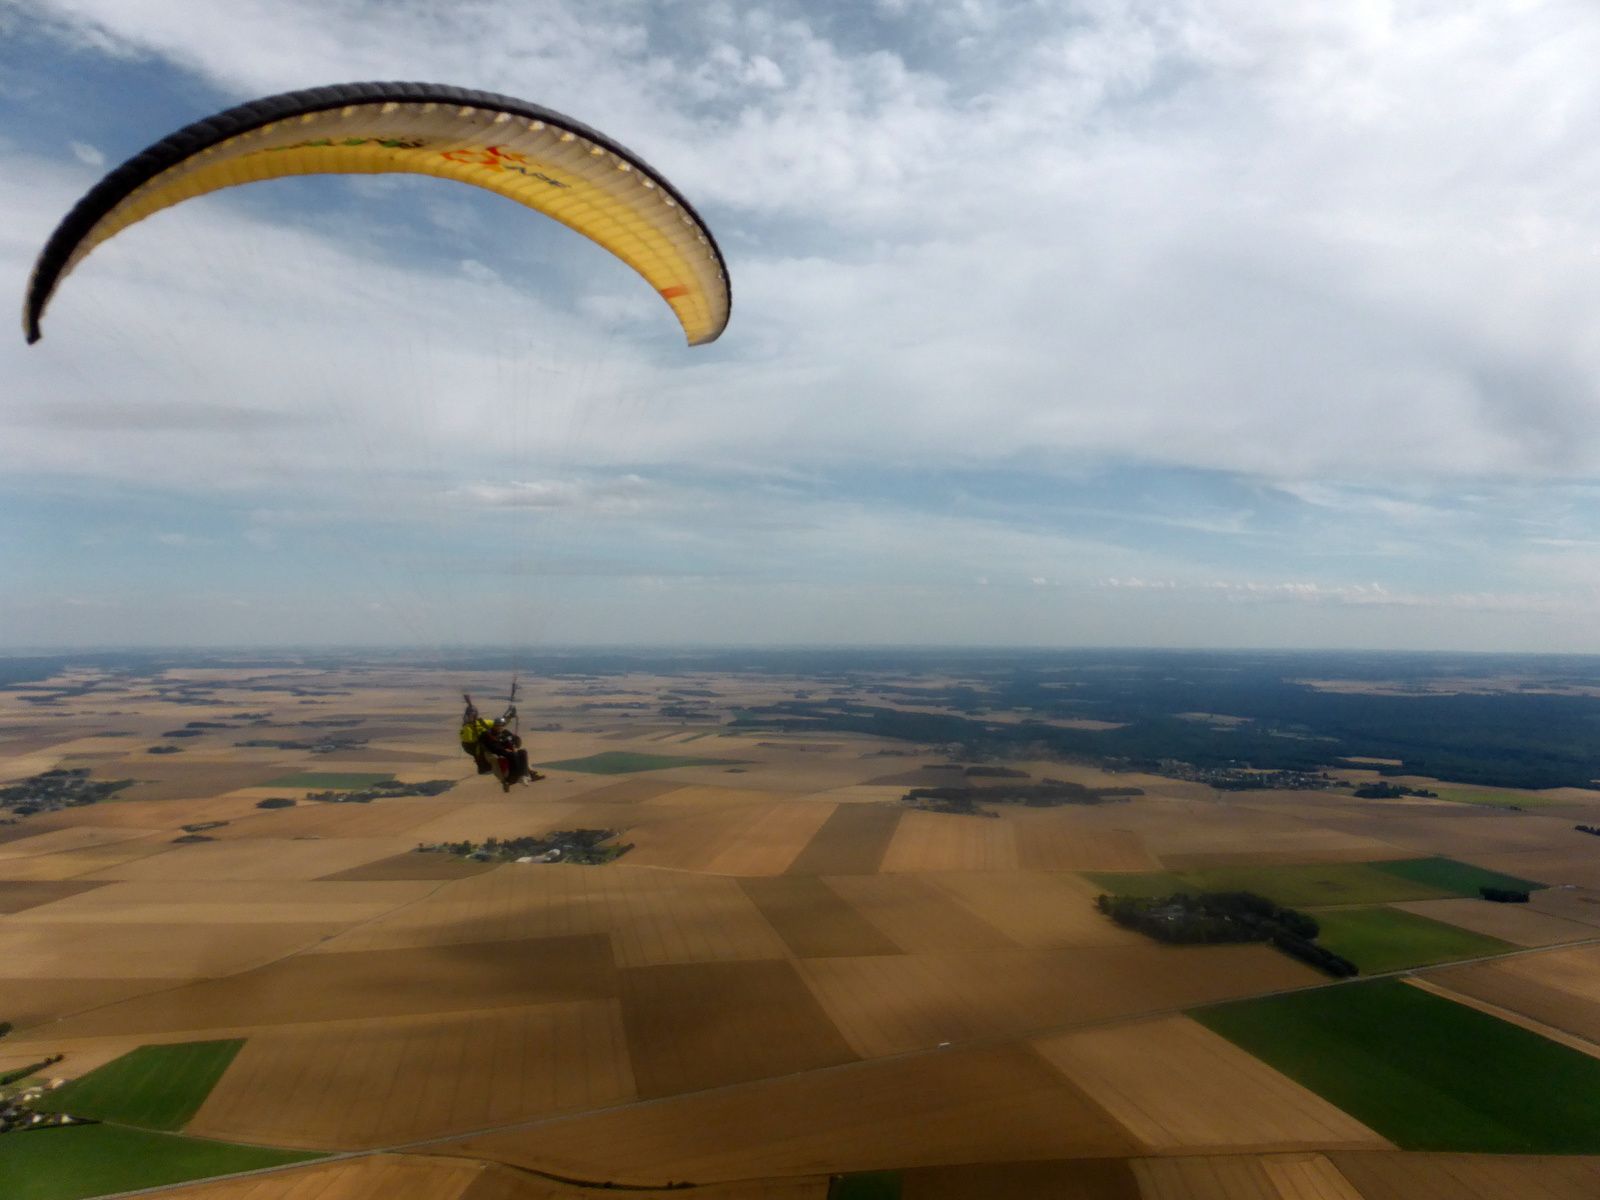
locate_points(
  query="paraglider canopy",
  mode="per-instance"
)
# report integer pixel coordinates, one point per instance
(529, 154)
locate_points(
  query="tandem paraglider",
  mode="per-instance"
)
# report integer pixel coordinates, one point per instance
(541, 159)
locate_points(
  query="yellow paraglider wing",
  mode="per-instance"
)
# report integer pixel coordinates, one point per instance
(529, 154)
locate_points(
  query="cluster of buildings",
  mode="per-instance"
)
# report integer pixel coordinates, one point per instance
(17, 1112)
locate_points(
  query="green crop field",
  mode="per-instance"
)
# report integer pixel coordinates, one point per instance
(1308, 885)
(91, 1160)
(344, 781)
(1458, 878)
(157, 1087)
(1422, 1071)
(866, 1185)
(623, 762)
(1386, 939)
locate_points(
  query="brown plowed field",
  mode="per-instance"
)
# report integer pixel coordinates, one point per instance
(1036, 908)
(852, 841)
(33, 949)
(376, 1177)
(255, 858)
(700, 1025)
(1083, 1179)
(1560, 988)
(168, 779)
(1515, 923)
(1469, 1176)
(998, 1104)
(479, 820)
(629, 791)
(162, 814)
(378, 983)
(1298, 1176)
(771, 844)
(315, 818)
(356, 1084)
(28, 1002)
(74, 864)
(925, 841)
(61, 841)
(904, 1002)
(917, 916)
(814, 920)
(212, 902)
(1175, 1085)
(689, 838)
(1056, 839)
(21, 895)
(703, 796)
(412, 865)
(651, 916)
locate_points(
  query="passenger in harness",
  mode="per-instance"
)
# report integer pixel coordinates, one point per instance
(495, 746)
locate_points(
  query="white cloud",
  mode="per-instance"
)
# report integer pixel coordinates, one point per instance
(1348, 251)
(87, 154)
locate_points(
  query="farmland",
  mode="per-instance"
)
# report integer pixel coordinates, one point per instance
(89, 1160)
(1424, 1072)
(1385, 939)
(792, 973)
(155, 1087)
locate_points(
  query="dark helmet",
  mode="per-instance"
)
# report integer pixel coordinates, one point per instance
(499, 722)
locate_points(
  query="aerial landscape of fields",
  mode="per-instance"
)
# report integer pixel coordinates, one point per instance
(811, 961)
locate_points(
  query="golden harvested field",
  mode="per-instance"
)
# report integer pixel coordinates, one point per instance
(1469, 1176)
(1060, 840)
(771, 843)
(355, 1084)
(372, 984)
(650, 917)
(35, 949)
(1035, 908)
(32, 1001)
(852, 841)
(1241, 1177)
(222, 903)
(255, 859)
(1519, 924)
(411, 865)
(1072, 1179)
(164, 814)
(701, 1025)
(689, 838)
(80, 865)
(916, 915)
(522, 814)
(814, 920)
(165, 779)
(1175, 1085)
(1560, 988)
(791, 973)
(390, 818)
(418, 1177)
(62, 841)
(376, 1177)
(21, 895)
(897, 1003)
(925, 841)
(996, 1104)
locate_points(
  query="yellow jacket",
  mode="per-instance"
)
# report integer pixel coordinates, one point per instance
(471, 731)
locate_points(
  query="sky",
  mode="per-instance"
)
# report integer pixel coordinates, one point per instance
(1074, 323)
